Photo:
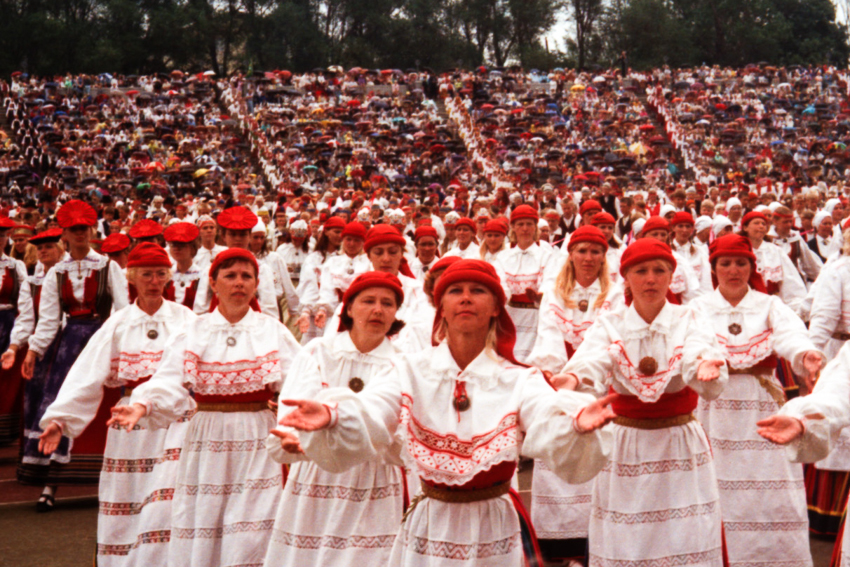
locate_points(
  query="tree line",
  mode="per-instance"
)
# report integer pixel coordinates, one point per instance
(143, 36)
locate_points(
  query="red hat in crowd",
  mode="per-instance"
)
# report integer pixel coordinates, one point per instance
(145, 228)
(181, 232)
(552, 215)
(75, 213)
(467, 222)
(655, 223)
(332, 222)
(589, 205)
(736, 245)
(383, 234)
(751, 216)
(524, 212)
(114, 243)
(237, 218)
(425, 231)
(682, 217)
(355, 229)
(603, 218)
(444, 263)
(369, 280)
(23, 229)
(643, 250)
(240, 253)
(148, 254)
(485, 274)
(496, 225)
(49, 235)
(6, 223)
(587, 233)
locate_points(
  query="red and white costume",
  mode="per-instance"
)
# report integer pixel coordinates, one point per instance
(780, 275)
(183, 287)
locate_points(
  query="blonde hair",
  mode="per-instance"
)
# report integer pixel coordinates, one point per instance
(490, 343)
(486, 250)
(566, 283)
(512, 235)
(133, 272)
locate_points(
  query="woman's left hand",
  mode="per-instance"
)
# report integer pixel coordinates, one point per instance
(596, 414)
(812, 362)
(49, 440)
(307, 416)
(709, 370)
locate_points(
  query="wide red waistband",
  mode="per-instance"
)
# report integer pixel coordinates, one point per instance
(769, 362)
(131, 384)
(503, 472)
(261, 396)
(682, 402)
(521, 298)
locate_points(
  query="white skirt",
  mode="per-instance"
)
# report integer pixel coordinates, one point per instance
(525, 321)
(559, 510)
(443, 534)
(228, 489)
(656, 501)
(344, 519)
(762, 494)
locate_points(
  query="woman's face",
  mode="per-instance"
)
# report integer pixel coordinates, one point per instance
(756, 229)
(150, 281)
(334, 235)
(587, 259)
(648, 281)
(658, 234)
(20, 243)
(386, 258)
(180, 251)
(49, 254)
(468, 307)
(373, 311)
(733, 273)
(426, 249)
(735, 213)
(76, 236)
(208, 231)
(464, 235)
(524, 230)
(237, 238)
(724, 231)
(607, 230)
(706, 209)
(682, 232)
(351, 246)
(494, 241)
(258, 240)
(235, 286)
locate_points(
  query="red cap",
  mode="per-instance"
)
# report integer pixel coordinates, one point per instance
(603, 218)
(424, 231)
(552, 215)
(682, 217)
(370, 280)
(235, 253)
(115, 242)
(589, 205)
(524, 212)
(50, 235)
(643, 250)
(587, 233)
(444, 263)
(76, 213)
(333, 222)
(145, 228)
(655, 223)
(6, 222)
(752, 215)
(732, 245)
(23, 229)
(496, 225)
(148, 254)
(237, 218)
(181, 232)
(354, 229)
(467, 222)
(383, 234)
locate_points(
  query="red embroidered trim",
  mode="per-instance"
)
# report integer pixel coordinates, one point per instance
(227, 489)
(139, 465)
(573, 333)
(761, 484)
(334, 542)
(748, 445)
(227, 446)
(655, 516)
(159, 536)
(749, 354)
(129, 367)
(464, 552)
(134, 508)
(345, 492)
(227, 378)
(219, 532)
(659, 467)
(647, 388)
(765, 526)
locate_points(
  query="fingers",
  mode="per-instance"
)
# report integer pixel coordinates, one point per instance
(293, 403)
(766, 422)
(607, 400)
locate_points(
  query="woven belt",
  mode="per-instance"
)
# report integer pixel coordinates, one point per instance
(661, 423)
(233, 407)
(456, 496)
(841, 336)
(764, 375)
(128, 391)
(521, 305)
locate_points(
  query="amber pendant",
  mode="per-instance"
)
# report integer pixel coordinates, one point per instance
(356, 384)
(735, 329)
(582, 305)
(461, 402)
(152, 334)
(648, 366)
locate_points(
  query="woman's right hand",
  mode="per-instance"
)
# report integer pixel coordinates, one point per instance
(28, 367)
(780, 429)
(7, 361)
(288, 442)
(127, 416)
(596, 414)
(321, 318)
(307, 416)
(304, 323)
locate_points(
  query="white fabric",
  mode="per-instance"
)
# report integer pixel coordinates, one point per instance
(25, 321)
(775, 266)
(205, 257)
(183, 280)
(266, 296)
(337, 274)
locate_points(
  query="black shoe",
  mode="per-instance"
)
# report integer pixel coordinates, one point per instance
(45, 503)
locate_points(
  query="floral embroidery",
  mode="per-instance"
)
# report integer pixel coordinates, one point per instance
(647, 388)
(228, 378)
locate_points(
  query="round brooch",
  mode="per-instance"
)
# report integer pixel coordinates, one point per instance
(648, 366)
(582, 305)
(461, 403)
(231, 341)
(152, 334)
(356, 384)
(735, 329)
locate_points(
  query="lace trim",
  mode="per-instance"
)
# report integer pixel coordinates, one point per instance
(129, 367)
(646, 388)
(464, 552)
(749, 354)
(300, 541)
(446, 459)
(518, 283)
(679, 284)
(228, 378)
(770, 273)
(573, 333)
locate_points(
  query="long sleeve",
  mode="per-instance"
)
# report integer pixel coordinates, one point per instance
(288, 288)
(308, 286)
(327, 299)
(203, 297)
(809, 262)
(790, 339)
(591, 362)
(25, 321)
(266, 294)
(49, 315)
(165, 395)
(549, 352)
(700, 344)
(826, 308)
(118, 287)
(82, 391)
(548, 419)
(366, 424)
(303, 383)
(793, 290)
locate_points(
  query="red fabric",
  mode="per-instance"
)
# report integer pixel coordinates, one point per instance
(523, 212)
(259, 396)
(235, 253)
(404, 269)
(682, 402)
(588, 233)
(525, 518)
(589, 205)
(334, 222)
(643, 250)
(496, 225)
(497, 474)
(75, 213)
(170, 294)
(370, 280)
(6, 222)
(50, 235)
(467, 222)
(655, 223)
(424, 231)
(145, 228)
(603, 218)
(86, 308)
(237, 218)
(92, 441)
(751, 216)
(736, 245)
(521, 298)
(355, 229)
(149, 255)
(181, 232)
(8, 286)
(383, 234)
(115, 242)
(682, 217)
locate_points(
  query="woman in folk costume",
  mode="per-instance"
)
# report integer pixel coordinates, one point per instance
(78, 294)
(351, 517)
(327, 247)
(139, 467)
(182, 239)
(237, 222)
(232, 360)
(495, 233)
(426, 241)
(560, 511)
(684, 286)
(523, 266)
(660, 483)
(463, 411)
(810, 426)
(466, 244)
(338, 273)
(259, 245)
(34, 466)
(762, 495)
(295, 252)
(606, 223)
(683, 244)
(13, 277)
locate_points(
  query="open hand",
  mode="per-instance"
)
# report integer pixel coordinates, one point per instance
(813, 363)
(7, 360)
(49, 440)
(127, 416)
(321, 319)
(304, 323)
(288, 442)
(307, 415)
(709, 370)
(780, 429)
(596, 414)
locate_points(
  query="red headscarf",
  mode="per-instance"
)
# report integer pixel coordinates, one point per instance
(74, 213)
(240, 253)
(682, 217)
(655, 223)
(587, 233)
(736, 245)
(115, 242)
(752, 215)
(496, 225)
(369, 280)
(524, 212)
(603, 218)
(145, 228)
(181, 232)
(643, 250)
(237, 218)
(386, 234)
